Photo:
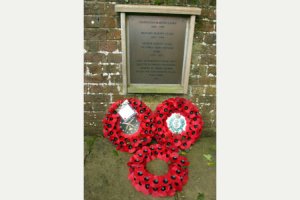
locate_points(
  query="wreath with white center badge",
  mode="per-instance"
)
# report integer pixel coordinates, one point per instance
(177, 123)
(127, 124)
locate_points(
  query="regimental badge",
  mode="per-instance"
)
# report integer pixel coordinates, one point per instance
(176, 123)
(131, 126)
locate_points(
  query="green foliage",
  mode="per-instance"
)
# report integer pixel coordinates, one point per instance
(115, 152)
(194, 2)
(176, 196)
(209, 158)
(213, 147)
(200, 196)
(158, 2)
(89, 142)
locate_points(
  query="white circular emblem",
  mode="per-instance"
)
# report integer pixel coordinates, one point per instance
(176, 123)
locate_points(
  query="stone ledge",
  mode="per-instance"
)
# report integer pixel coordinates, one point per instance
(158, 9)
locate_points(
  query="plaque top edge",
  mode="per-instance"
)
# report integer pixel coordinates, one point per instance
(158, 9)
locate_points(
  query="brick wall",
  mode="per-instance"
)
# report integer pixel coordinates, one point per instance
(102, 62)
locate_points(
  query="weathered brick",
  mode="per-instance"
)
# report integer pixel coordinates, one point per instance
(108, 22)
(116, 79)
(93, 119)
(195, 58)
(109, 45)
(103, 79)
(95, 79)
(112, 68)
(94, 57)
(210, 90)
(118, 97)
(91, 21)
(207, 80)
(207, 59)
(197, 97)
(198, 70)
(212, 70)
(208, 13)
(110, 9)
(85, 89)
(91, 46)
(211, 50)
(95, 69)
(93, 8)
(207, 26)
(103, 89)
(210, 38)
(199, 48)
(94, 34)
(198, 35)
(91, 106)
(114, 58)
(113, 34)
(96, 98)
(194, 81)
(199, 90)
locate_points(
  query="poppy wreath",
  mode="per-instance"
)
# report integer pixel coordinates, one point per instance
(177, 123)
(128, 142)
(158, 185)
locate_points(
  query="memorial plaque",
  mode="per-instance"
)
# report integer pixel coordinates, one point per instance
(156, 48)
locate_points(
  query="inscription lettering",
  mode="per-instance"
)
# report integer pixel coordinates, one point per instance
(156, 48)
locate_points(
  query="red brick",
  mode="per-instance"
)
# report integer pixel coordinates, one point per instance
(110, 9)
(95, 79)
(93, 69)
(96, 98)
(91, 46)
(94, 57)
(114, 58)
(109, 45)
(103, 89)
(93, 118)
(113, 34)
(96, 69)
(93, 8)
(207, 26)
(94, 34)
(208, 13)
(108, 22)
(91, 21)
(91, 106)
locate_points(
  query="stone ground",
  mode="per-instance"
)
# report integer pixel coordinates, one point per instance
(106, 171)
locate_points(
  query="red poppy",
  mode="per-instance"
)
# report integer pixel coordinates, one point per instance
(123, 141)
(188, 117)
(158, 185)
